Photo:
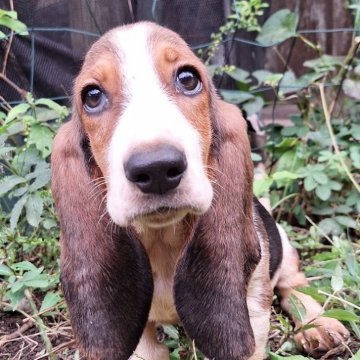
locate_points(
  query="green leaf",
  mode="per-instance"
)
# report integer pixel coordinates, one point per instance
(296, 308)
(5, 271)
(41, 136)
(321, 178)
(255, 157)
(289, 83)
(260, 187)
(273, 79)
(16, 212)
(171, 331)
(51, 299)
(334, 185)
(342, 315)
(6, 149)
(284, 177)
(309, 183)
(15, 298)
(278, 27)
(261, 75)
(254, 105)
(9, 183)
(15, 25)
(355, 156)
(330, 226)
(337, 281)
(239, 75)
(32, 274)
(274, 356)
(175, 354)
(352, 264)
(323, 192)
(20, 191)
(23, 265)
(323, 211)
(40, 283)
(51, 105)
(313, 292)
(211, 69)
(346, 221)
(10, 13)
(49, 224)
(356, 356)
(352, 88)
(236, 96)
(16, 111)
(42, 179)
(34, 208)
(324, 63)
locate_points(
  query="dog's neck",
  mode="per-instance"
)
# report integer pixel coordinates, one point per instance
(171, 236)
(164, 246)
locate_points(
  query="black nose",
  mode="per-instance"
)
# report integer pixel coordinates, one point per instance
(156, 171)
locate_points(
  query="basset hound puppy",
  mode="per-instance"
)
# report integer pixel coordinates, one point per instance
(152, 180)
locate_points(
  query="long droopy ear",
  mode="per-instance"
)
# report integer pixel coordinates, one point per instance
(105, 272)
(218, 260)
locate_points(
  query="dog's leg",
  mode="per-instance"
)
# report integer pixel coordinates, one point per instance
(259, 298)
(149, 347)
(328, 332)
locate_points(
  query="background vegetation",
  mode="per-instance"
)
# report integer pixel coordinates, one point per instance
(313, 173)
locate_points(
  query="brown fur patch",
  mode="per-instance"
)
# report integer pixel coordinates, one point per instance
(102, 67)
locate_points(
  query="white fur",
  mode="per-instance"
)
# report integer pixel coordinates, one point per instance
(150, 117)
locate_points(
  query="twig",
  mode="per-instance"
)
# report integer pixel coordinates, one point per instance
(56, 349)
(343, 71)
(319, 229)
(332, 136)
(5, 338)
(22, 92)
(194, 349)
(40, 324)
(8, 47)
(339, 299)
(5, 104)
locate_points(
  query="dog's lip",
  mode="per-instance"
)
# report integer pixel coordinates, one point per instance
(162, 212)
(163, 216)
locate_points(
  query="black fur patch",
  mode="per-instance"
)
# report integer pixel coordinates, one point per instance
(275, 245)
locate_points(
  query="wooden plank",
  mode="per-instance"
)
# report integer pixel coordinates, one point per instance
(97, 17)
(319, 14)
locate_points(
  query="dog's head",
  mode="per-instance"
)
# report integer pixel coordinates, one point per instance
(144, 101)
(150, 135)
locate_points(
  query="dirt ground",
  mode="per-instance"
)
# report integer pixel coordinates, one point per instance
(20, 340)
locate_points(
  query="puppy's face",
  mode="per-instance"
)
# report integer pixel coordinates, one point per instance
(144, 100)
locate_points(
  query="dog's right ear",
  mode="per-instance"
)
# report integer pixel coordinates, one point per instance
(105, 272)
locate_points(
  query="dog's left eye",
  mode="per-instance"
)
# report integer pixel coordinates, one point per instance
(188, 81)
(94, 99)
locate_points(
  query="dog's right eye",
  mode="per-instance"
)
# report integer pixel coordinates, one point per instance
(94, 99)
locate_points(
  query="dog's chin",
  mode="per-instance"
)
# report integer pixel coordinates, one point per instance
(163, 217)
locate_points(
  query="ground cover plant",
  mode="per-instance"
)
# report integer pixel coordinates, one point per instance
(313, 175)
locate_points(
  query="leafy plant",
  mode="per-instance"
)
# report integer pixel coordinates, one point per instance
(27, 211)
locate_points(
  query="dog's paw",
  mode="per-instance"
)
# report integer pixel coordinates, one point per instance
(326, 335)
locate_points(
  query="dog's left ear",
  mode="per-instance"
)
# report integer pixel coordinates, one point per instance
(218, 260)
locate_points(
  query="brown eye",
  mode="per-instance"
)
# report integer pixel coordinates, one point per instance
(94, 99)
(188, 81)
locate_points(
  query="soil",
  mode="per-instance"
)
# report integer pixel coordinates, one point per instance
(20, 339)
(27, 343)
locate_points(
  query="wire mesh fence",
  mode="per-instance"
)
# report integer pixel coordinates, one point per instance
(46, 61)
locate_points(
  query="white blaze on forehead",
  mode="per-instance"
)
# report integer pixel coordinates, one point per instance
(150, 117)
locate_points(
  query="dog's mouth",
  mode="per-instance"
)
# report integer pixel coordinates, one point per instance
(163, 216)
